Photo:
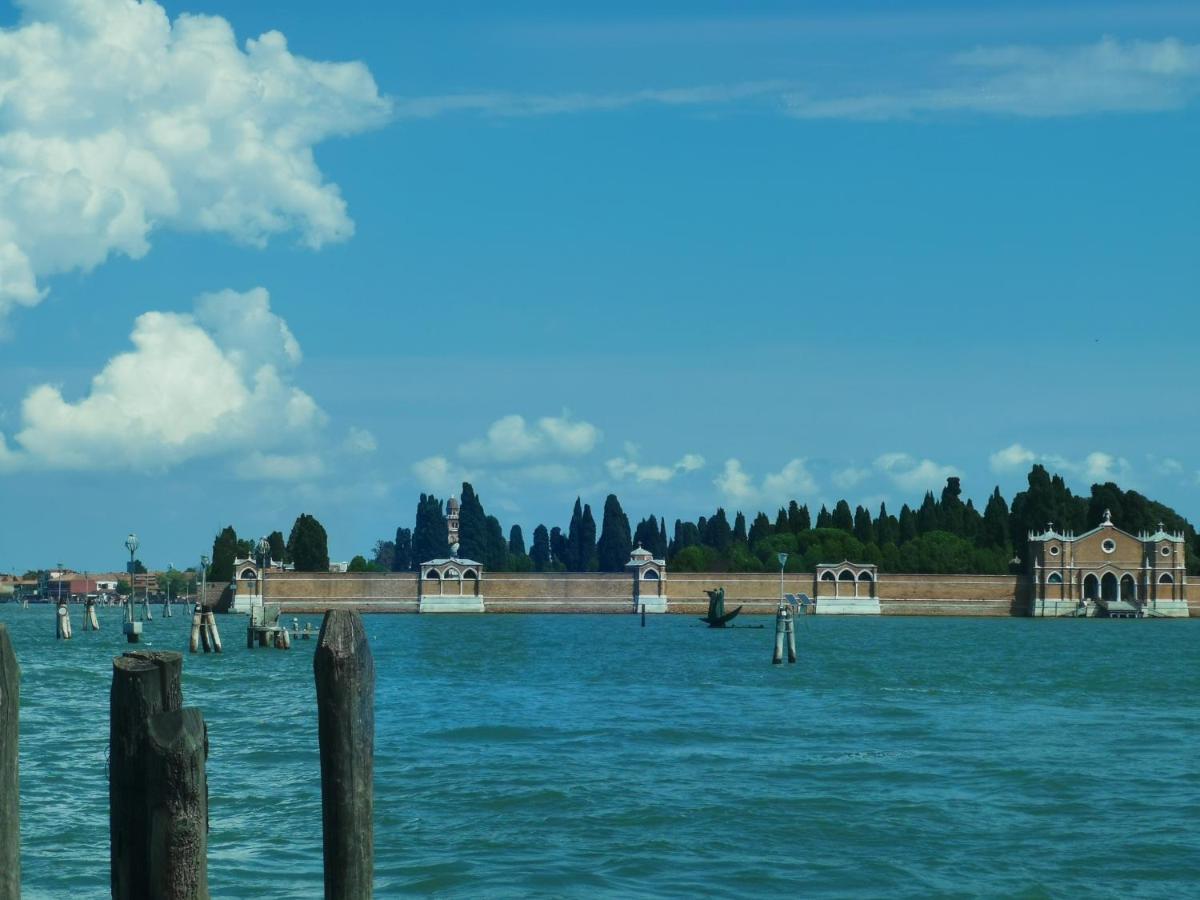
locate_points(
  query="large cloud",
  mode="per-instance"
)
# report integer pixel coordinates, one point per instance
(115, 121)
(194, 385)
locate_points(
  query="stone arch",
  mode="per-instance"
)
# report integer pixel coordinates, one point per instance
(248, 574)
(1165, 578)
(649, 575)
(432, 575)
(1054, 578)
(1128, 588)
(828, 576)
(865, 576)
(845, 575)
(1110, 588)
(1091, 587)
(470, 573)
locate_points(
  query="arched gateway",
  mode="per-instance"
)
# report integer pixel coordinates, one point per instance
(1108, 572)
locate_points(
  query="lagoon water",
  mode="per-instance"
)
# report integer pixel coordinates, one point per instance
(585, 756)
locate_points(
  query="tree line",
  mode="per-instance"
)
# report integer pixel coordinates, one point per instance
(943, 534)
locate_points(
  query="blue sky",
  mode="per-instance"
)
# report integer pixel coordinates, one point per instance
(709, 254)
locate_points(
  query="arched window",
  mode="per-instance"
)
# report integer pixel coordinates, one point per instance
(1054, 578)
(432, 575)
(649, 575)
(845, 575)
(248, 575)
(864, 576)
(828, 576)
(1165, 578)
(451, 573)
(470, 573)
(1091, 588)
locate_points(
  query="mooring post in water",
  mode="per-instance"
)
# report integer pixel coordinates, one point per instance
(10, 796)
(90, 621)
(157, 788)
(214, 636)
(132, 629)
(345, 677)
(783, 622)
(791, 635)
(643, 615)
(197, 625)
(62, 629)
(147, 613)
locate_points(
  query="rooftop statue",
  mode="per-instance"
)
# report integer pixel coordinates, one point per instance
(717, 617)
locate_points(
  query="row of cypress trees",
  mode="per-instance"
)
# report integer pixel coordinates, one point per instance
(307, 548)
(942, 534)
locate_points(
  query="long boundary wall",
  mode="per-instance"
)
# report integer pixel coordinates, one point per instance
(987, 595)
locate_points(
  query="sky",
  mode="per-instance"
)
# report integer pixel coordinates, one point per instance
(265, 259)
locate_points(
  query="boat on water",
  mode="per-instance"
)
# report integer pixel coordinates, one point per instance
(717, 617)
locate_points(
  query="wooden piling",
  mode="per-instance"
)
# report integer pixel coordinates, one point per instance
(158, 796)
(780, 615)
(62, 628)
(214, 636)
(643, 615)
(791, 636)
(344, 671)
(10, 797)
(197, 627)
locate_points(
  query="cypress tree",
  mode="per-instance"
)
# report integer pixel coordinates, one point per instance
(587, 540)
(574, 540)
(798, 518)
(278, 548)
(908, 524)
(842, 517)
(759, 529)
(739, 528)
(308, 545)
(953, 513)
(516, 541)
(473, 536)
(993, 532)
(928, 518)
(224, 550)
(824, 519)
(429, 538)
(646, 534)
(660, 549)
(863, 529)
(402, 557)
(495, 547)
(612, 552)
(719, 535)
(781, 522)
(560, 548)
(539, 553)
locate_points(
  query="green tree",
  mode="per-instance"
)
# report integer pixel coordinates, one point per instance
(224, 550)
(384, 555)
(798, 518)
(539, 553)
(358, 564)
(824, 519)
(759, 529)
(781, 521)
(278, 547)
(739, 529)
(308, 545)
(953, 513)
(587, 541)
(842, 517)
(863, 529)
(473, 537)
(928, 518)
(907, 524)
(718, 534)
(516, 541)
(571, 555)
(402, 558)
(495, 548)
(994, 531)
(429, 538)
(612, 552)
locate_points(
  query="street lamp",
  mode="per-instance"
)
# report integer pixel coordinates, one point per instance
(203, 580)
(131, 544)
(782, 562)
(264, 553)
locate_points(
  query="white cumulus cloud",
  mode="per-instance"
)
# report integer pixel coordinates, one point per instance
(512, 439)
(911, 474)
(622, 467)
(213, 382)
(1097, 466)
(438, 474)
(792, 482)
(116, 121)
(1012, 458)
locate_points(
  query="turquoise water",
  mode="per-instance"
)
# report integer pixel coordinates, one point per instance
(584, 756)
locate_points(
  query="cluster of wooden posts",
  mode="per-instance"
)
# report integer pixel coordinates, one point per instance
(158, 789)
(785, 629)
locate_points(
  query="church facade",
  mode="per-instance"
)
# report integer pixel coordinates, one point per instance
(1108, 572)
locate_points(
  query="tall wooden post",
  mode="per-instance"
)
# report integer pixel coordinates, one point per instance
(345, 677)
(10, 804)
(158, 794)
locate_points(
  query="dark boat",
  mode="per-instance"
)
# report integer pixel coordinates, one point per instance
(717, 617)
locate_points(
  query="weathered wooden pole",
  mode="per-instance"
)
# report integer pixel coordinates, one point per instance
(132, 629)
(197, 626)
(643, 615)
(791, 635)
(780, 617)
(157, 789)
(10, 798)
(214, 636)
(62, 622)
(345, 677)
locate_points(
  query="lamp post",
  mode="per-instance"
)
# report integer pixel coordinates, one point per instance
(264, 562)
(132, 629)
(782, 562)
(131, 544)
(203, 580)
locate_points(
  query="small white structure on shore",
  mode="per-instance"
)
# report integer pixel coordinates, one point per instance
(847, 589)
(649, 580)
(248, 585)
(451, 585)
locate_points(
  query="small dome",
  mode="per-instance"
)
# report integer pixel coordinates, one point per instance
(452, 503)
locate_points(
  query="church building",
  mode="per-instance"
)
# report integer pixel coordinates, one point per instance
(1108, 572)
